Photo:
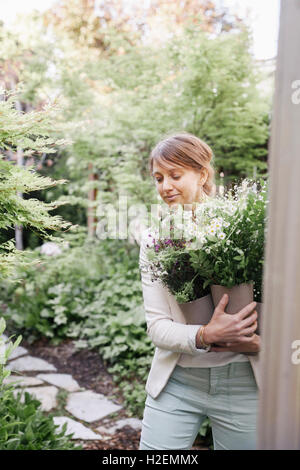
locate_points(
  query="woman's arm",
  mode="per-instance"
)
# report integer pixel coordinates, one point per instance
(253, 346)
(164, 332)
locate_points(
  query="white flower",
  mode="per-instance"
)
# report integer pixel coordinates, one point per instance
(221, 235)
(190, 228)
(226, 224)
(198, 211)
(227, 242)
(191, 231)
(207, 250)
(216, 223)
(230, 208)
(211, 230)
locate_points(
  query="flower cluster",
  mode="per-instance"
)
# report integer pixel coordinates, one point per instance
(220, 242)
(169, 260)
(232, 248)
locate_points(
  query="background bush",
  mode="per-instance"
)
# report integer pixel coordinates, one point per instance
(91, 293)
(23, 426)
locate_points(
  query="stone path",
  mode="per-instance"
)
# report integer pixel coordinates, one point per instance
(82, 407)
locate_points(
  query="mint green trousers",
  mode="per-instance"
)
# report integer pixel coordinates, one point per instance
(227, 394)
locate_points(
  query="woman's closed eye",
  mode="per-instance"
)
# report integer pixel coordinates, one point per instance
(174, 177)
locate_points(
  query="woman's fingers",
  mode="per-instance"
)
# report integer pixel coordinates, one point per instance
(245, 339)
(220, 308)
(249, 320)
(246, 310)
(250, 330)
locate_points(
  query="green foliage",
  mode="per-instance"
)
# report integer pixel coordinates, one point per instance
(23, 425)
(29, 212)
(217, 82)
(116, 106)
(91, 293)
(31, 132)
(234, 253)
(173, 268)
(204, 85)
(222, 243)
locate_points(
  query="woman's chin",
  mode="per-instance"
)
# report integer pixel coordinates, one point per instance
(173, 203)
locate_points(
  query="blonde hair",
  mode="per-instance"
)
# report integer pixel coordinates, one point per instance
(187, 150)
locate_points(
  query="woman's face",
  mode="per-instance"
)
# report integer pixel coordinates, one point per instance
(179, 185)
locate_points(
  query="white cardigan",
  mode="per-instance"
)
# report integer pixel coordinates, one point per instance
(167, 328)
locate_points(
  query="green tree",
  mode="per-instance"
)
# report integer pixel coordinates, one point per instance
(202, 84)
(119, 101)
(31, 132)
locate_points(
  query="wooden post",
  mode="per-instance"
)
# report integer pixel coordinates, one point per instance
(20, 162)
(92, 194)
(279, 403)
(19, 228)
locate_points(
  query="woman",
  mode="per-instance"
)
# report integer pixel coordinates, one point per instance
(189, 378)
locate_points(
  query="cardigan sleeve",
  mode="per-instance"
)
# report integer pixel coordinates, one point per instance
(164, 332)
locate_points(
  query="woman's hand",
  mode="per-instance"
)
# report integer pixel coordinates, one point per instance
(252, 346)
(231, 328)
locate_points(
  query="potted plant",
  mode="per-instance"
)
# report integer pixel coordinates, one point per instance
(169, 262)
(219, 247)
(228, 249)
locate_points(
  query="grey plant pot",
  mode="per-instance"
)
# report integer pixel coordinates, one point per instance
(198, 311)
(239, 296)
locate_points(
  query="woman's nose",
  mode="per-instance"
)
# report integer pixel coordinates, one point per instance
(167, 184)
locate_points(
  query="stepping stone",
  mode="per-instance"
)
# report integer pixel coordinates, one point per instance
(46, 395)
(27, 363)
(65, 381)
(23, 381)
(90, 406)
(19, 351)
(132, 422)
(80, 431)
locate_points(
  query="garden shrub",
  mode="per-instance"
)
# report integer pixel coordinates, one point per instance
(91, 293)
(23, 426)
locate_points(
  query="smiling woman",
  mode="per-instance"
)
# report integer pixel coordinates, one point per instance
(188, 379)
(182, 170)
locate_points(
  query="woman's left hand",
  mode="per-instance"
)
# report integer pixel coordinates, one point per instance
(253, 346)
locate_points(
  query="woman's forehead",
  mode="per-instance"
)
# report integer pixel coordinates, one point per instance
(166, 167)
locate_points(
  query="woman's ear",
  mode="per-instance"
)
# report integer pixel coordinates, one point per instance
(204, 175)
